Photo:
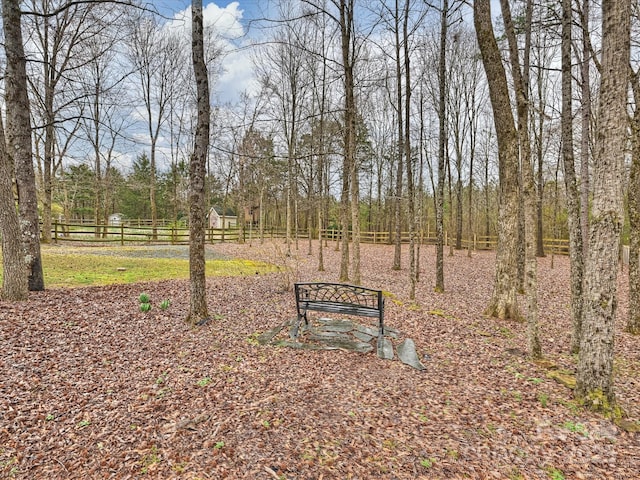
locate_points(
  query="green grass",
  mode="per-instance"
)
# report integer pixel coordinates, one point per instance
(89, 266)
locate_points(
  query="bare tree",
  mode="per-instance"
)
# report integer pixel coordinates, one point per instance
(58, 41)
(520, 76)
(503, 303)
(154, 55)
(198, 313)
(594, 377)
(18, 138)
(442, 141)
(281, 69)
(571, 181)
(102, 121)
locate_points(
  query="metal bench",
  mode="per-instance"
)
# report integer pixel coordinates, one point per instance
(338, 298)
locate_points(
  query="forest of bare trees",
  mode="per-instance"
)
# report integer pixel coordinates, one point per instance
(511, 118)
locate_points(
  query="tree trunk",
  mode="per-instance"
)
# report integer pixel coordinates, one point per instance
(14, 267)
(442, 133)
(198, 313)
(594, 377)
(347, 33)
(397, 204)
(571, 182)
(521, 85)
(18, 137)
(503, 303)
(585, 142)
(633, 318)
(411, 194)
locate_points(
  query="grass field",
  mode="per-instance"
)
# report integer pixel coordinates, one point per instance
(87, 266)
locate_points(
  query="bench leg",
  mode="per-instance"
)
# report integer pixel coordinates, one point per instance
(296, 329)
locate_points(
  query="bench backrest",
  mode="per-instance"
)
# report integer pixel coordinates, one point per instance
(339, 298)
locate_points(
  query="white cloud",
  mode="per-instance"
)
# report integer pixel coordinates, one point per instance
(226, 23)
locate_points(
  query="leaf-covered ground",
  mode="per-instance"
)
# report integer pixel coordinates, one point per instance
(92, 388)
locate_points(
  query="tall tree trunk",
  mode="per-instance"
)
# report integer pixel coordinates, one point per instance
(198, 313)
(521, 84)
(571, 182)
(503, 303)
(152, 190)
(348, 52)
(585, 142)
(411, 194)
(442, 133)
(594, 377)
(397, 204)
(14, 268)
(18, 136)
(633, 318)
(540, 165)
(344, 221)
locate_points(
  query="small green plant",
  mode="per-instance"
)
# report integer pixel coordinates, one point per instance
(427, 462)
(203, 382)
(161, 378)
(515, 474)
(150, 460)
(506, 332)
(555, 474)
(49, 417)
(219, 445)
(145, 307)
(83, 423)
(543, 398)
(390, 444)
(266, 424)
(166, 303)
(144, 298)
(576, 427)
(453, 454)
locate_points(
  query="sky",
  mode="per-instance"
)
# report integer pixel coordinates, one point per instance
(232, 21)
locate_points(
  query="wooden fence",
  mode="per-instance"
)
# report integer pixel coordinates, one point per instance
(477, 242)
(141, 233)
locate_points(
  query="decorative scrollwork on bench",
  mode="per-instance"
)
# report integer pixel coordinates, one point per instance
(338, 298)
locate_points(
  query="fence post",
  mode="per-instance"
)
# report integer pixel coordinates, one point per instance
(55, 232)
(122, 234)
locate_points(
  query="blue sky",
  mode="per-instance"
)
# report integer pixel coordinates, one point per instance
(251, 8)
(230, 20)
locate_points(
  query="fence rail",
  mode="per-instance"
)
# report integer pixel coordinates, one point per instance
(166, 233)
(477, 242)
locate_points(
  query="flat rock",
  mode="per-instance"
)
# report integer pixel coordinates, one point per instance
(301, 346)
(367, 330)
(267, 336)
(328, 336)
(407, 354)
(391, 332)
(385, 348)
(338, 327)
(363, 337)
(351, 345)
